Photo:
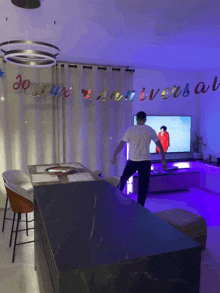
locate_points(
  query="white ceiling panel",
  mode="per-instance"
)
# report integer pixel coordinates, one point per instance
(172, 34)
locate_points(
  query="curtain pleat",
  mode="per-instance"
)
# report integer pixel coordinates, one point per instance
(47, 130)
(68, 135)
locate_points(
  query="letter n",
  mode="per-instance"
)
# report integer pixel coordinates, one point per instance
(103, 93)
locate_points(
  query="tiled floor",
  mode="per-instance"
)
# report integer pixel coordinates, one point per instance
(20, 276)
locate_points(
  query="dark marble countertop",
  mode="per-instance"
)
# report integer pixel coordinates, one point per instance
(92, 224)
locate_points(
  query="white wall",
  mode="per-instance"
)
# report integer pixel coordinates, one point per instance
(189, 106)
(210, 115)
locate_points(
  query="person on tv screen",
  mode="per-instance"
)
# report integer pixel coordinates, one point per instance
(164, 139)
(139, 137)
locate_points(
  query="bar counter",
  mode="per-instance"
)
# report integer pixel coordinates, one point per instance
(90, 238)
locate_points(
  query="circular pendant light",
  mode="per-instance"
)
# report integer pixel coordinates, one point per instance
(28, 4)
(29, 53)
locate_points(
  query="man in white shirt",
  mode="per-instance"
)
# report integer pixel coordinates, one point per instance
(139, 137)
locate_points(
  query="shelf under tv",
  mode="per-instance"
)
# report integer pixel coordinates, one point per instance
(174, 180)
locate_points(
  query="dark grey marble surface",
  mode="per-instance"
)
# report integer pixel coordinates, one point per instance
(177, 272)
(91, 224)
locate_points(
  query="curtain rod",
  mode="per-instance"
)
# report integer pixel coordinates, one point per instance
(103, 67)
(99, 67)
(90, 66)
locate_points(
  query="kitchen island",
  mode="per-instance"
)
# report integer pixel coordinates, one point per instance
(90, 238)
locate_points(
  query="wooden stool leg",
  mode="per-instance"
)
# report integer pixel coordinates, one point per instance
(3, 226)
(27, 224)
(16, 234)
(12, 227)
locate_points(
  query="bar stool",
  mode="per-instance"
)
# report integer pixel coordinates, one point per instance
(19, 178)
(114, 181)
(20, 204)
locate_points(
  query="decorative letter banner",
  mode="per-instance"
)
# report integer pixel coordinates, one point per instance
(40, 89)
(103, 93)
(1, 73)
(175, 94)
(45, 90)
(214, 84)
(87, 93)
(203, 90)
(151, 94)
(166, 93)
(186, 90)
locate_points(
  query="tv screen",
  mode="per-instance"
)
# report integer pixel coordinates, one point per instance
(175, 137)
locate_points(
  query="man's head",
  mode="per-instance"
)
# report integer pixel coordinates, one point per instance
(141, 118)
(163, 128)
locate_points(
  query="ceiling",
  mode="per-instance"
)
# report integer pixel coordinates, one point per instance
(166, 34)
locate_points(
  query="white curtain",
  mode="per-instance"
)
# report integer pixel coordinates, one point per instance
(38, 130)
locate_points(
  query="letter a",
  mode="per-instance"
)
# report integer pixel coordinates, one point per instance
(203, 90)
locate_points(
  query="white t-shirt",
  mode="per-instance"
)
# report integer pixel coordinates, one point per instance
(139, 137)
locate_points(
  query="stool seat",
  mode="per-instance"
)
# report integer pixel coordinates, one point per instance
(190, 224)
(27, 186)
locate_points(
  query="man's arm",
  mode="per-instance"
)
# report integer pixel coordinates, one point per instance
(118, 149)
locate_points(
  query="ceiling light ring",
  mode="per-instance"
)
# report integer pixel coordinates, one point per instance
(47, 45)
(39, 58)
(40, 64)
(29, 53)
(23, 57)
(48, 59)
(5, 52)
(27, 4)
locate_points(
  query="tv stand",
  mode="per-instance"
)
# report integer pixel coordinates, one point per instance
(173, 180)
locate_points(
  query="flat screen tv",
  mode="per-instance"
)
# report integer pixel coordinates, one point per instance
(178, 133)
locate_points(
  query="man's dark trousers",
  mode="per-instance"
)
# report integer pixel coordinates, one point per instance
(144, 169)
